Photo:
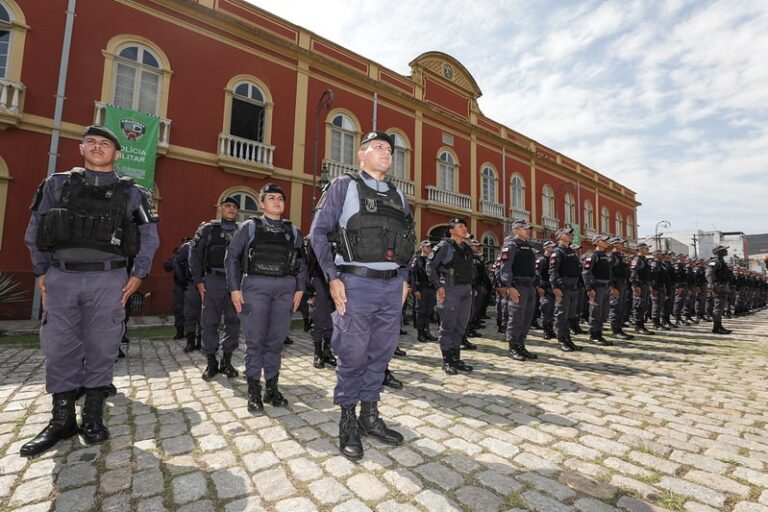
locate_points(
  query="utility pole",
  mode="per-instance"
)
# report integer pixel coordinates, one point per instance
(695, 241)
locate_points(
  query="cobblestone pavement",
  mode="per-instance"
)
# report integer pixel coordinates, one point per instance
(672, 422)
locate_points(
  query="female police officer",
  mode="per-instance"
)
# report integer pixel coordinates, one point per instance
(266, 277)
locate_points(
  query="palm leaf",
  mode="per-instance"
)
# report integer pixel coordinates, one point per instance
(9, 289)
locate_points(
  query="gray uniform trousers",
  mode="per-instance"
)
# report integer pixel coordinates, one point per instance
(521, 315)
(217, 301)
(701, 301)
(618, 307)
(502, 312)
(658, 304)
(669, 303)
(566, 308)
(81, 328)
(322, 325)
(426, 306)
(454, 315)
(192, 308)
(599, 306)
(719, 303)
(681, 300)
(640, 302)
(178, 304)
(266, 319)
(547, 308)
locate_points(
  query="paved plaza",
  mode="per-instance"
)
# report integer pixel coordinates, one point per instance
(669, 422)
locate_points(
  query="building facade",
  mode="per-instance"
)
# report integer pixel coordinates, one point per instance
(242, 99)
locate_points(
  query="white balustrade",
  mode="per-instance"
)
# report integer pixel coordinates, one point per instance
(492, 208)
(245, 150)
(550, 223)
(10, 95)
(519, 214)
(446, 197)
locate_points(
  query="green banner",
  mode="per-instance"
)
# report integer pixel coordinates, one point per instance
(576, 234)
(138, 133)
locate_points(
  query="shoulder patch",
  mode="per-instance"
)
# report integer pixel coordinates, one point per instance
(38, 196)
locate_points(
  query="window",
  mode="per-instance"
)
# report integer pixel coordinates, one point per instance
(248, 116)
(604, 221)
(548, 202)
(446, 172)
(618, 224)
(399, 157)
(490, 247)
(5, 40)
(488, 184)
(518, 193)
(589, 215)
(570, 210)
(137, 79)
(343, 140)
(13, 34)
(630, 228)
(249, 204)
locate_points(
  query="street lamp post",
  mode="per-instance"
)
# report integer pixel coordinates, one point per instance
(665, 224)
(326, 100)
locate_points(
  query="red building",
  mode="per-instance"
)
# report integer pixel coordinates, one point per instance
(240, 92)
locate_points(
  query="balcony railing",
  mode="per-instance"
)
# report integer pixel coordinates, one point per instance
(550, 223)
(590, 233)
(165, 126)
(492, 209)
(10, 102)
(336, 169)
(446, 197)
(243, 150)
(519, 214)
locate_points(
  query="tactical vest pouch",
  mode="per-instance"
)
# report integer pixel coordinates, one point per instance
(54, 227)
(131, 241)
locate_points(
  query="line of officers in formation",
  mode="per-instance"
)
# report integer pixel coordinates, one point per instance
(92, 237)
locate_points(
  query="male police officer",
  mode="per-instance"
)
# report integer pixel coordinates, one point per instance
(450, 269)
(518, 277)
(718, 278)
(192, 303)
(423, 292)
(322, 324)
(546, 297)
(640, 278)
(370, 220)
(206, 261)
(564, 273)
(619, 281)
(85, 225)
(597, 280)
(659, 277)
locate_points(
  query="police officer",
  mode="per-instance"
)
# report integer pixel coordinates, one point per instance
(322, 325)
(546, 296)
(192, 302)
(518, 280)
(619, 282)
(659, 278)
(266, 277)
(564, 274)
(481, 284)
(718, 278)
(450, 269)
(597, 275)
(206, 261)
(85, 226)
(679, 278)
(640, 279)
(423, 292)
(180, 283)
(369, 219)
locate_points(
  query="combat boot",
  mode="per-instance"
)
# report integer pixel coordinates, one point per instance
(429, 336)
(190, 346)
(468, 344)
(640, 329)
(372, 425)
(254, 396)
(448, 362)
(199, 342)
(457, 363)
(350, 445)
(666, 323)
(515, 352)
(526, 354)
(318, 361)
(575, 327)
(179, 333)
(226, 366)
(420, 337)
(63, 425)
(718, 328)
(597, 338)
(400, 352)
(549, 332)
(328, 356)
(390, 381)
(272, 395)
(212, 369)
(572, 345)
(93, 429)
(621, 335)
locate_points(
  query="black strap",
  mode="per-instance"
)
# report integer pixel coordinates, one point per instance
(384, 275)
(90, 266)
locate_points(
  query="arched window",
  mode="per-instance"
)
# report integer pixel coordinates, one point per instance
(548, 202)
(490, 247)
(343, 139)
(249, 203)
(570, 210)
(446, 171)
(605, 220)
(137, 79)
(5, 40)
(619, 225)
(589, 215)
(399, 167)
(488, 183)
(13, 34)
(249, 109)
(517, 194)
(630, 228)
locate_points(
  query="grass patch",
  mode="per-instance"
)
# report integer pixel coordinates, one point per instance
(673, 501)
(20, 340)
(643, 448)
(649, 479)
(515, 500)
(152, 333)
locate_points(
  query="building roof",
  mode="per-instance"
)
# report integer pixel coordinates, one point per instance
(757, 244)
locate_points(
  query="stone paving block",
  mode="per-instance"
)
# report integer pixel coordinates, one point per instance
(76, 475)
(752, 476)
(654, 463)
(699, 462)
(188, 488)
(329, 490)
(147, 483)
(273, 484)
(436, 502)
(198, 506)
(699, 492)
(634, 505)
(295, 505)
(403, 480)
(584, 485)
(394, 506)
(367, 487)
(304, 469)
(593, 505)
(536, 463)
(746, 506)
(32, 490)
(231, 483)
(543, 503)
(76, 499)
(116, 503)
(439, 475)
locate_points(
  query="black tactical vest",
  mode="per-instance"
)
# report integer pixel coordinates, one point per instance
(217, 246)
(542, 267)
(601, 266)
(272, 252)
(525, 261)
(90, 216)
(381, 230)
(620, 267)
(569, 262)
(460, 269)
(641, 266)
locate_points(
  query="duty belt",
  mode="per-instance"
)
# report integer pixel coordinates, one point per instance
(384, 275)
(89, 266)
(598, 284)
(216, 272)
(523, 282)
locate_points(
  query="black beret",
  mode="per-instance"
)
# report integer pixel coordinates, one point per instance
(103, 131)
(562, 231)
(230, 199)
(371, 136)
(521, 224)
(455, 222)
(272, 188)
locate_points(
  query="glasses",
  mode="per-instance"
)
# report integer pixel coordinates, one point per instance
(98, 143)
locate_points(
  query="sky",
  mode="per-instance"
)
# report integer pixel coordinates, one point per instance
(669, 98)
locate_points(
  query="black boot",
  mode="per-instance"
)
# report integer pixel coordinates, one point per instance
(515, 352)
(199, 342)
(429, 336)
(718, 328)
(572, 345)
(448, 362)
(372, 425)
(621, 335)
(597, 338)
(272, 395)
(457, 363)
(565, 345)
(468, 344)
(399, 352)
(254, 396)
(62, 425)
(287, 341)
(318, 362)
(212, 369)
(420, 337)
(179, 333)
(575, 328)
(528, 355)
(190, 346)
(350, 445)
(93, 429)
(226, 366)
(640, 329)
(390, 381)
(549, 332)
